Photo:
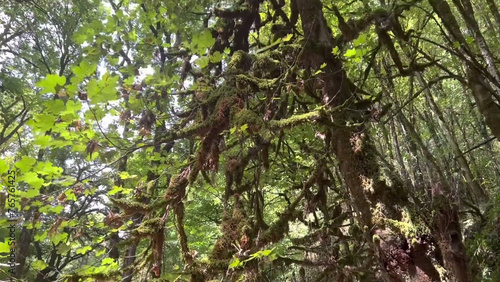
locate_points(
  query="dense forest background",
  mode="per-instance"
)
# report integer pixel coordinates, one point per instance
(250, 140)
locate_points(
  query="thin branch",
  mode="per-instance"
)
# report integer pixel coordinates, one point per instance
(39, 49)
(19, 56)
(476, 146)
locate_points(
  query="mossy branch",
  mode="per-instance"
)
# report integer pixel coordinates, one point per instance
(149, 227)
(133, 207)
(278, 229)
(261, 83)
(313, 116)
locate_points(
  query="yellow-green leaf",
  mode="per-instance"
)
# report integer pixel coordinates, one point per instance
(39, 265)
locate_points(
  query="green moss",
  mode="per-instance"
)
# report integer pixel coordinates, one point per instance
(266, 65)
(247, 117)
(240, 62)
(219, 263)
(261, 83)
(110, 275)
(189, 130)
(176, 189)
(227, 89)
(297, 119)
(149, 227)
(405, 227)
(131, 207)
(279, 228)
(414, 242)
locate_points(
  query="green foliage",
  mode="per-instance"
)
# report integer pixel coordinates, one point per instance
(202, 144)
(49, 83)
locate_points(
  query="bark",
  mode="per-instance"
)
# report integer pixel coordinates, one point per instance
(335, 93)
(129, 258)
(114, 238)
(25, 240)
(26, 236)
(355, 153)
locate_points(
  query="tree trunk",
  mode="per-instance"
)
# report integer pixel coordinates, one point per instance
(23, 250)
(356, 156)
(114, 238)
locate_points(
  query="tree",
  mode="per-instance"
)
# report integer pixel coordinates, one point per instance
(253, 140)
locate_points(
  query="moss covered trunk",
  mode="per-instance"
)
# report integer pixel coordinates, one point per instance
(376, 203)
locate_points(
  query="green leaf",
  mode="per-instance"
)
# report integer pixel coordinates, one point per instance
(202, 62)
(86, 68)
(63, 248)
(129, 81)
(350, 53)
(56, 239)
(267, 252)
(336, 50)
(235, 263)
(42, 140)
(103, 90)
(201, 42)
(39, 265)
(57, 209)
(79, 38)
(25, 163)
(288, 37)
(40, 236)
(216, 57)
(84, 250)
(36, 203)
(126, 175)
(360, 40)
(3, 167)
(54, 106)
(46, 168)
(4, 247)
(49, 83)
(33, 180)
(115, 190)
(70, 195)
(101, 252)
(108, 261)
(31, 193)
(42, 122)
